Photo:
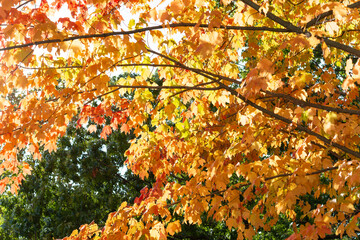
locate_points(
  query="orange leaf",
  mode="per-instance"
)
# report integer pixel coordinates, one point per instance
(92, 128)
(173, 227)
(105, 132)
(125, 128)
(26, 169)
(50, 145)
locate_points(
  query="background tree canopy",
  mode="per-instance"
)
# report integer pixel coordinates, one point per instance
(81, 182)
(253, 122)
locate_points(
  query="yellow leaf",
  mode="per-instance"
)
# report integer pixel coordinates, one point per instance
(131, 24)
(326, 50)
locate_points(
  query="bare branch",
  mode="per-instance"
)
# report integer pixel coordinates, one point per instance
(290, 122)
(288, 97)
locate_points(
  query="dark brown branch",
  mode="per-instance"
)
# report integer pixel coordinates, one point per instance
(295, 29)
(341, 46)
(314, 105)
(180, 92)
(284, 175)
(24, 3)
(334, 154)
(263, 110)
(296, 4)
(118, 33)
(345, 31)
(80, 66)
(280, 21)
(308, 174)
(313, 21)
(288, 97)
(167, 87)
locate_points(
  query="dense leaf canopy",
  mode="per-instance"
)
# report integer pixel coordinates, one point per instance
(256, 115)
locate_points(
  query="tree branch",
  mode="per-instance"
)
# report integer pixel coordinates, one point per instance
(24, 3)
(314, 105)
(118, 33)
(308, 174)
(323, 15)
(167, 87)
(280, 21)
(263, 110)
(341, 46)
(295, 29)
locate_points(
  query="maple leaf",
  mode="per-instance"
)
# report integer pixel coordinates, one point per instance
(92, 128)
(4, 103)
(173, 227)
(50, 146)
(3, 184)
(106, 131)
(125, 128)
(26, 169)
(176, 7)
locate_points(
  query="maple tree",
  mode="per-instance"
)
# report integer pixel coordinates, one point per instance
(245, 124)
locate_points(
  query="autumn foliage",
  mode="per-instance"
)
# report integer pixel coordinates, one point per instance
(257, 107)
